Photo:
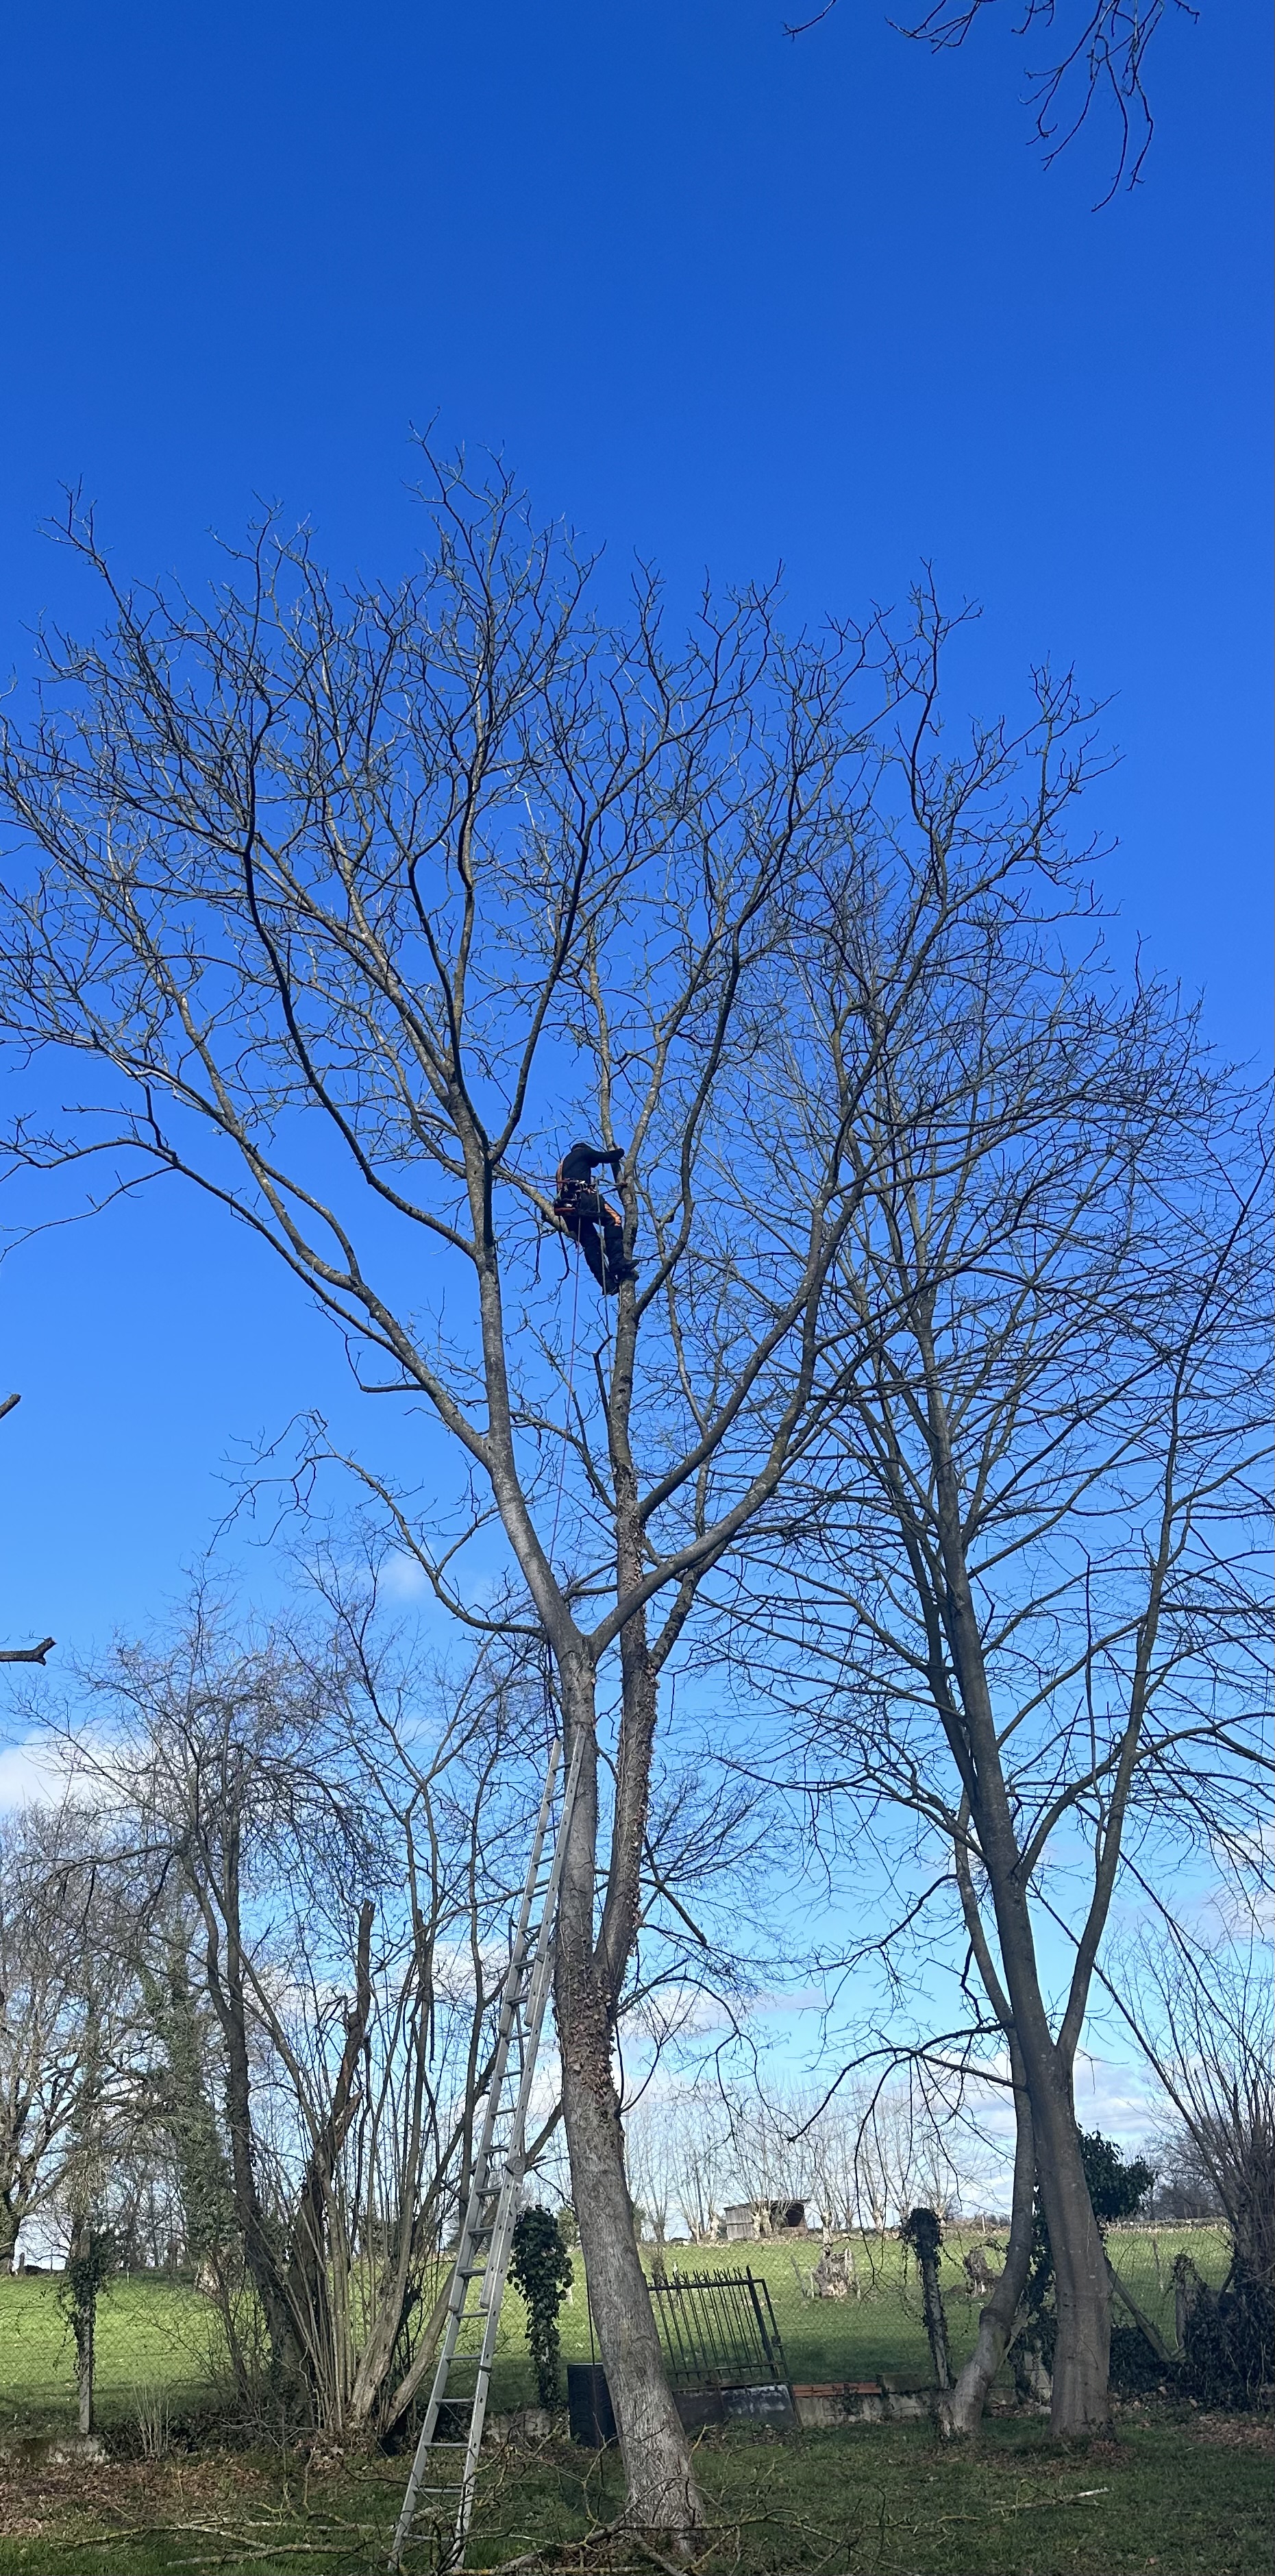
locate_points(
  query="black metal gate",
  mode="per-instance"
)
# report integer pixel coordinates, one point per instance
(718, 2330)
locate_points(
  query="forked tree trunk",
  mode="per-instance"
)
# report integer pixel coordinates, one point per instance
(1080, 2402)
(662, 2496)
(961, 2411)
(225, 1977)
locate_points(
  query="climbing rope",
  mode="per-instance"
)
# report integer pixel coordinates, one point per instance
(571, 1381)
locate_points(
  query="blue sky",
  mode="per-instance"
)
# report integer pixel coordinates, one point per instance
(724, 301)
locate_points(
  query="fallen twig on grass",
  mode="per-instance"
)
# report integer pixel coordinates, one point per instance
(1030, 2504)
(107, 2539)
(1037, 2504)
(238, 2552)
(531, 2558)
(258, 2547)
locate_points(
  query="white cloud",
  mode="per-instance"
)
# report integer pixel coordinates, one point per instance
(403, 1578)
(32, 1774)
(40, 1772)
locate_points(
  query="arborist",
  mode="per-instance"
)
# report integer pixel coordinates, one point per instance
(589, 1219)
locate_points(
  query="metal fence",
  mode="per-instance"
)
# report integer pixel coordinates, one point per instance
(718, 2330)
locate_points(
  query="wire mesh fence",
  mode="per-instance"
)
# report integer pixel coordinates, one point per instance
(1144, 2260)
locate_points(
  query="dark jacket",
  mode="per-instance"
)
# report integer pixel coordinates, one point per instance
(577, 1165)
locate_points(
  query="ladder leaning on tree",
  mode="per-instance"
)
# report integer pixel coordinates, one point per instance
(482, 2252)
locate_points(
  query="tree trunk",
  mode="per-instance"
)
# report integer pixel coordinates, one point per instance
(662, 2495)
(82, 2284)
(932, 2300)
(1079, 2401)
(226, 1993)
(84, 2329)
(962, 2411)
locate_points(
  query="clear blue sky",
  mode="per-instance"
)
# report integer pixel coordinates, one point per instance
(724, 300)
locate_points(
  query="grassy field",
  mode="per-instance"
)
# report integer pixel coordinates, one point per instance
(1172, 2492)
(154, 2335)
(1181, 2497)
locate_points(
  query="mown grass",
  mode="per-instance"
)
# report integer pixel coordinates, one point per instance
(1171, 2493)
(157, 2335)
(1179, 2496)
(152, 2334)
(882, 2329)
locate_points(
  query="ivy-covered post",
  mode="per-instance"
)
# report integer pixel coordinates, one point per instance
(91, 2259)
(540, 2267)
(921, 2230)
(92, 2251)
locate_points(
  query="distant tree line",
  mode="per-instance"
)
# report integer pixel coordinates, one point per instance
(249, 1970)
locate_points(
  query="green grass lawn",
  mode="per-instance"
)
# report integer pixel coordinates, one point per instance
(1171, 2492)
(1172, 2497)
(151, 2334)
(882, 2330)
(158, 2335)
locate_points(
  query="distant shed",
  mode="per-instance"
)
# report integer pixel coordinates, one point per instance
(747, 2221)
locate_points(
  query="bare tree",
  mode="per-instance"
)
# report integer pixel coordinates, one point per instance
(900, 2150)
(1097, 53)
(42, 1895)
(651, 2168)
(359, 903)
(1202, 2015)
(679, 2151)
(341, 1910)
(769, 2160)
(361, 908)
(1028, 1564)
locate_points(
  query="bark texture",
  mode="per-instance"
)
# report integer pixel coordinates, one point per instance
(961, 2412)
(1080, 2401)
(662, 2496)
(309, 2277)
(83, 2328)
(226, 1992)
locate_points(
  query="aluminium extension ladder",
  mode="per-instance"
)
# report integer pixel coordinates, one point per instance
(482, 2252)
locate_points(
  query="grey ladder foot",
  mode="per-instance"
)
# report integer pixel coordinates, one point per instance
(485, 2230)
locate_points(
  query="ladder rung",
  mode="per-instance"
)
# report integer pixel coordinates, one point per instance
(483, 2245)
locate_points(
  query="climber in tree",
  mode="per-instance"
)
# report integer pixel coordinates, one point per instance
(584, 1211)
